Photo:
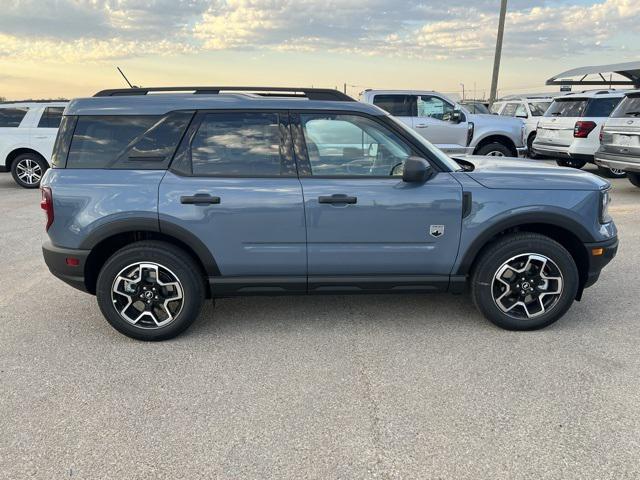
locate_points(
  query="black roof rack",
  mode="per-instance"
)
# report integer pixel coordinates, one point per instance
(310, 93)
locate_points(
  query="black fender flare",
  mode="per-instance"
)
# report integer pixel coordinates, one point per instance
(553, 218)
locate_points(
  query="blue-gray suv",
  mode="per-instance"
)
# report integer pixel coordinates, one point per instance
(160, 198)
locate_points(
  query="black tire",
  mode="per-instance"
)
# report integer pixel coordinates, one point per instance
(171, 259)
(634, 178)
(570, 162)
(517, 245)
(607, 172)
(495, 149)
(531, 152)
(27, 169)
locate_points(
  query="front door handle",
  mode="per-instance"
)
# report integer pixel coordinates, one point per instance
(339, 198)
(199, 199)
(422, 125)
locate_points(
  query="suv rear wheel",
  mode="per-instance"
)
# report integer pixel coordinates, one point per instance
(150, 290)
(27, 169)
(611, 172)
(524, 281)
(634, 178)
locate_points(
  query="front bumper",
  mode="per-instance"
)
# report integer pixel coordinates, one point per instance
(60, 263)
(598, 262)
(622, 162)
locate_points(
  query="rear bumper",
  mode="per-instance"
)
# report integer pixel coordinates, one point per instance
(626, 163)
(56, 259)
(598, 262)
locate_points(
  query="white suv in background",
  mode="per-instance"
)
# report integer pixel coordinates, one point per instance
(449, 125)
(27, 133)
(528, 109)
(569, 131)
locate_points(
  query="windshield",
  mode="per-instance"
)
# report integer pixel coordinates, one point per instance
(566, 108)
(538, 108)
(445, 159)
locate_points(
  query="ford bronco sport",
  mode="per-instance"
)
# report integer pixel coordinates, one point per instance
(158, 201)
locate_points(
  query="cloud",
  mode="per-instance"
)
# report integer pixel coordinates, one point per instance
(95, 30)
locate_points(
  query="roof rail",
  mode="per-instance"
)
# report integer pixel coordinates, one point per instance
(310, 93)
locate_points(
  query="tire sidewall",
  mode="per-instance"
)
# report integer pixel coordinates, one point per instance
(496, 257)
(31, 156)
(495, 147)
(181, 266)
(634, 178)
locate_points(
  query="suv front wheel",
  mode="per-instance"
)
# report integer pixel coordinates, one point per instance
(150, 290)
(524, 281)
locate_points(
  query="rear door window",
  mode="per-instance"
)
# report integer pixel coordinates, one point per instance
(12, 117)
(51, 117)
(601, 107)
(510, 109)
(126, 141)
(242, 144)
(567, 108)
(397, 105)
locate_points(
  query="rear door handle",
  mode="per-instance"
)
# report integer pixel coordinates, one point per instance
(40, 137)
(422, 125)
(199, 199)
(338, 198)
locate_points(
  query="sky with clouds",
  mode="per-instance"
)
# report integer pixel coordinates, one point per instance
(54, 48)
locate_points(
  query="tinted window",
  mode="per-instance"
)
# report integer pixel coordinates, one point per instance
(11, 117)
(240, 144)
(129, 142)
(433, 107)
(629, 107)
(398, 105)
(476, 107)
(566, 108)
(538, 108)
(348, 145)
(601, 107)
(521, 111)
(51, 117)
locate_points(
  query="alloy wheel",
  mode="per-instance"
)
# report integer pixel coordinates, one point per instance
(495, 153)
(527, 286)
(29, 171)
(147, 295)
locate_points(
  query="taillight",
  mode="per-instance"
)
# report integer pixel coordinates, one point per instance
(583, 129)
(46, 204)
(470, 130)
(601, 133)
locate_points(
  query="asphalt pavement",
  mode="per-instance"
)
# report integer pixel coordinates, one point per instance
(349, 387)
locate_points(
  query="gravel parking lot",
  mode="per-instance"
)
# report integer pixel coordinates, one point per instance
(316, 387)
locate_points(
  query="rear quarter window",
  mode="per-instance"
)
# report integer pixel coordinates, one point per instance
(398, 105)
(12, 117)
(126, 141)
(601, 107)
(51, 117)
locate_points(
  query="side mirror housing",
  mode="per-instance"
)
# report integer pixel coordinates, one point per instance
(416, 170)
(456, 116)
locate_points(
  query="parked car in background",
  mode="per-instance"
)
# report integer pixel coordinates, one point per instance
(27, 134)
(450, 126)
(476, 106)
(158, 201)
(569, 131)
(620, 139)
(528, 109)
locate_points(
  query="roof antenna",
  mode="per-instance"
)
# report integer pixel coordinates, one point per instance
(125, 78)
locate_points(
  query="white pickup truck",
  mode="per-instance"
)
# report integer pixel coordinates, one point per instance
(450, 126)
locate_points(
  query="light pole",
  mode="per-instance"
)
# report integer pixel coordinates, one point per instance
(496, 60)
(462, 85)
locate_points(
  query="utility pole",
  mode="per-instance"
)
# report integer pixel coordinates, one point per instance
(496, 60)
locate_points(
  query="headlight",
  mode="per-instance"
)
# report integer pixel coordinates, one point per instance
(605, 200)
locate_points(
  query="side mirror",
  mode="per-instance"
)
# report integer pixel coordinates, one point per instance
(416, 170)
(455, 116)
